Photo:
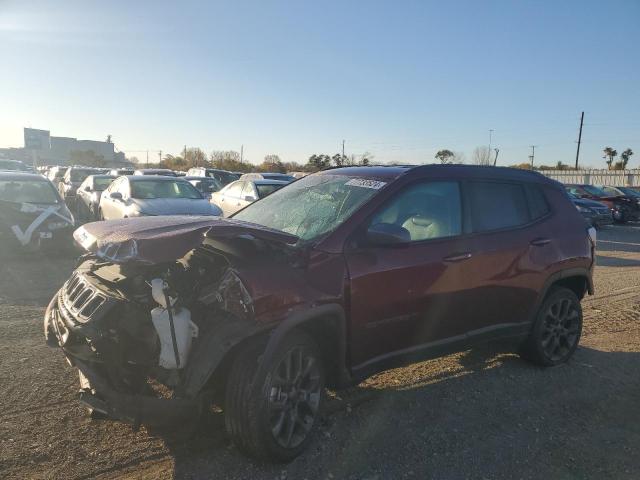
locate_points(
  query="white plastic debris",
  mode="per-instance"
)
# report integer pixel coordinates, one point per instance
(185, 329)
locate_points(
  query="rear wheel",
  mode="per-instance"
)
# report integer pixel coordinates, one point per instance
(272, 415)
(556, 331)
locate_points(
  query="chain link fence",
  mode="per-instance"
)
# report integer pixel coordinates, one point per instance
(619, 178)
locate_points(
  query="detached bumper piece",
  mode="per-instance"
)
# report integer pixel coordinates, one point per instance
(97, 394)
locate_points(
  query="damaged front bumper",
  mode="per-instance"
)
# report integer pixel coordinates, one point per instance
(96, 390)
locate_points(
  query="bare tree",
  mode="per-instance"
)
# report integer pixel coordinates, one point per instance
(482, 156)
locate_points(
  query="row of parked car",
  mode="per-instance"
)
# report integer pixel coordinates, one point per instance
(88, 194)
(606, 205)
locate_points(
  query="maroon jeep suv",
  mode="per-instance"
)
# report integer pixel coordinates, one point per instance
(337, 276)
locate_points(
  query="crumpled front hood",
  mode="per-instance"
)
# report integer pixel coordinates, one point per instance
(174, 206)
(153, 240)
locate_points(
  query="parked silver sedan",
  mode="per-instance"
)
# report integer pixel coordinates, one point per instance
(241, 193)
(136, 196)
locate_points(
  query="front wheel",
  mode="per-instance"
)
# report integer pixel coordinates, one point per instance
(556, 330)
(273, 414)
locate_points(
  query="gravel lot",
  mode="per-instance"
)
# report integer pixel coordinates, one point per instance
(478, 414)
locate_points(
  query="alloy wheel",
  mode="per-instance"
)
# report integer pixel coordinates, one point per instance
(294, 397)
(561, 329)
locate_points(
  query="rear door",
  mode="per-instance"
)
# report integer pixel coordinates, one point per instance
(508, 245)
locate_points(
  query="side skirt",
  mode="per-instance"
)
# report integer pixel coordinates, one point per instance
(439, 348)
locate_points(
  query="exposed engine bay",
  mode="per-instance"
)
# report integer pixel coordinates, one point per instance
(134, 328)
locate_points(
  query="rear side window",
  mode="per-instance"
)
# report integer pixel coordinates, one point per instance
(494, 206)
(538, 205)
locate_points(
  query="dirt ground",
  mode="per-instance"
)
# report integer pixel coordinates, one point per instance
(478, 414)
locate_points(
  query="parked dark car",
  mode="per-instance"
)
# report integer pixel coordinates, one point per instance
(623, 192)
(624, 208)
(70, 182)
(595, 213)
(32, 214)
(88, 196)
(330, 279)
(14, 165)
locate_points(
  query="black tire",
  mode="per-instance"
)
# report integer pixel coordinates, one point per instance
(556, 330)
(271, 415)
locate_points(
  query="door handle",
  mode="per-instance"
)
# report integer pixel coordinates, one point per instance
(458, 257)
(539, 242)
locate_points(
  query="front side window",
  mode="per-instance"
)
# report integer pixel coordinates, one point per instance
(234, 190)
(427, 210)
(150, 189)
(495, 206)
(313, 206)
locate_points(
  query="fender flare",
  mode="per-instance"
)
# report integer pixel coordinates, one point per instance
(297, 319)
(231, 331)
(553, 278)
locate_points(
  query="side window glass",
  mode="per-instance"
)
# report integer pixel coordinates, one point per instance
(235, 189)
(538, 204)
(426, 210)
(248, 190)
(495, 206)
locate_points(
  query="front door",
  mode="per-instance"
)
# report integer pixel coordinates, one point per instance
(403, 297)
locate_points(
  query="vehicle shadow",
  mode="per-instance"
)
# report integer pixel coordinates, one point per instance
(472, 414)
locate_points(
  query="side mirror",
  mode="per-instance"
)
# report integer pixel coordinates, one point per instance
(87, 188)
(249, 198)
(387, 234)
(116, 195)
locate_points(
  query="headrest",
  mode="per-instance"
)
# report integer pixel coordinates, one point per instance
(421, 221)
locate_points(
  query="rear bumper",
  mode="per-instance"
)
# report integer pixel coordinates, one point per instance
(96, 390)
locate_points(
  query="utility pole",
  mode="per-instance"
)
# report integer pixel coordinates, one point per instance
(490, 133)
(159, 157)
(241, 152)
(579, 139)
(184, 153)
(533, 154)
(495, 160)
(342, 148)
(147, 158)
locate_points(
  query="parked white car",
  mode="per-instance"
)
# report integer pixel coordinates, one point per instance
(241, 193)
(136, 196)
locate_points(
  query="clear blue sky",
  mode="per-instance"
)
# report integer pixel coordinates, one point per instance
(400, 79)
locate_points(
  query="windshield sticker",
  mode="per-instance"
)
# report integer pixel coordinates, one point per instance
(362, 182)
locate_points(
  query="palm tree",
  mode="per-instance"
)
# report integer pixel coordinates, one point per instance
(610, 153)
(625, 156)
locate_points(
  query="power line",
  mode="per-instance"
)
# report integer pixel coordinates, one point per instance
(579, 139)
